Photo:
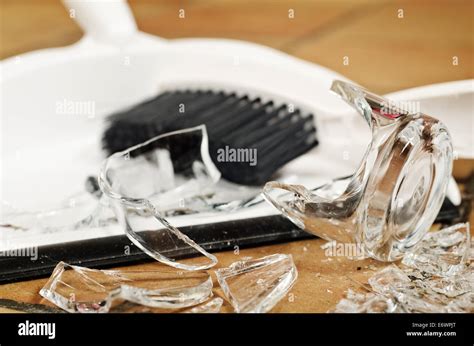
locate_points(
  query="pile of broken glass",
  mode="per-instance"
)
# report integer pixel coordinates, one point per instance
(250, 285)
(144, 186)
(435, 277)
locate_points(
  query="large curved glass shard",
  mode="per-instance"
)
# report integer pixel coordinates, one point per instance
(213, 306)
(145, 181)
(84, 290)
(257, 285)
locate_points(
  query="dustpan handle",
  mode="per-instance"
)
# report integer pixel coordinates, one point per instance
(109, 21)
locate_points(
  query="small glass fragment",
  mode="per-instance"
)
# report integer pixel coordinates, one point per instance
(213, 306)
(410, 290)
(438, 279)
(363, 303)
(84, 290)
(444, 253)
(257, 285)
(389, 278)
(419, 301)
(456, 285)
(170, 175)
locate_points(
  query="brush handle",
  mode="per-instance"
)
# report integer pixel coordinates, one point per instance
(105, 21)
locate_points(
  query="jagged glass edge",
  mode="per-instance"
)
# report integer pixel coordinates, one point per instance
(127, 292)
(409, 256)
(212, 306)
(147, 205)
(271, 300)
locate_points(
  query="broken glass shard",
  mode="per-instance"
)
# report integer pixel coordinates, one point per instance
(388, 279)
(67, 214)
(364, 303)
(444, 253)
(169, 175)
(411, 290)
(154, 176)
(430, 293)
(455, 286)
(394, 284)
(176, 174)
(257, 285)
(418, 301)
(143, 179)
(84, 290)
(212, 306)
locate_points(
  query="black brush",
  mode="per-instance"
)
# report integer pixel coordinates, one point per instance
(249, 140)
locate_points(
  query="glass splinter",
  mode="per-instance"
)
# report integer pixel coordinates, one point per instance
(439, 279)
(80, 289)
(444, 253)
(385, 280)
(141, 182)
(364, 303)
(213, 306)
(257, 285)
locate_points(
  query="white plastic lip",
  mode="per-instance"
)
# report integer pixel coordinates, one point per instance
(434, 90)
(285, 75)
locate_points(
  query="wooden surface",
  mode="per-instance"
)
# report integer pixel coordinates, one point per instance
(386, 53)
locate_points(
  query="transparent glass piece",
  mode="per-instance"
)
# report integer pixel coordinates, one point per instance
(257, 285)
(84, 290)
(454, 286)
(410, 290)
(176, 174)
(444, 253)
(392, 199)
(223, 196)
(212, 306)
(70, 212)
(365, 303)
(430, 293)
(420, 301)
(172, 191)
(388, 279)
(143, 181)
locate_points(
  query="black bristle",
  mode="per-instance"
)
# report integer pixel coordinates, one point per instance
(233, 121)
